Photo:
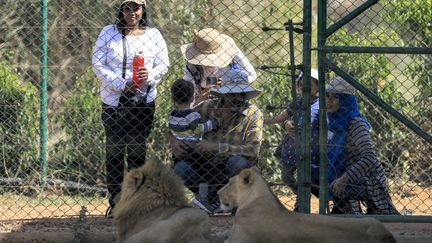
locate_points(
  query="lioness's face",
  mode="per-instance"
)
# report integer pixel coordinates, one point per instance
(227, 195)
(230, 194)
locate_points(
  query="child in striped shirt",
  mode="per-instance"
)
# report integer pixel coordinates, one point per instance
(185, 123)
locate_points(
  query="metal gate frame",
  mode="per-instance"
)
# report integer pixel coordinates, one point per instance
(324, 65)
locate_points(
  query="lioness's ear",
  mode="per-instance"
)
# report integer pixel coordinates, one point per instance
(247, 176)
(254, 168)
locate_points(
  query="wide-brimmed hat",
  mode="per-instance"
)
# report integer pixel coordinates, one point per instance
(140, 2)
(234, 75)
(237, 88)
(339, 86)
(210, 48)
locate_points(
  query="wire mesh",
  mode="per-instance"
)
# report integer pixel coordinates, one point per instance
(77, 140)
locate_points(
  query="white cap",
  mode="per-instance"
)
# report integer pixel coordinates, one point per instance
(314, 74)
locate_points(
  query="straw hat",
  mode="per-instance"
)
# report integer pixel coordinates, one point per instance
(339, 86)
(210, 48)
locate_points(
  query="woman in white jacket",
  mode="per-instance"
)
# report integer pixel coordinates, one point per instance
(127, 109)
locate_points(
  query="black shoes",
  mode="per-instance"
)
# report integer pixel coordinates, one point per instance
(109, 212)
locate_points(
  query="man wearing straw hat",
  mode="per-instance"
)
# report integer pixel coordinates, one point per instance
(209, 56)
(232, 147)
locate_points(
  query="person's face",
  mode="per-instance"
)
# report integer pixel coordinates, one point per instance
(314, 87)
(209, 71)
(234, 102)
(132, 13)
(332, 102)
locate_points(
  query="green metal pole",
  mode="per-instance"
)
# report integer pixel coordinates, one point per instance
(377, 50)
(356, 12)
(377, 100)
(304, 184)
(293, 88)
(323, 181)
(43, 90)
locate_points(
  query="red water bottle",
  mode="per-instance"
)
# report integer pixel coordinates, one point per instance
(138, 62)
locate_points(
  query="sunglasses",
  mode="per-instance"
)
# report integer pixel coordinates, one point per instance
(127, 9)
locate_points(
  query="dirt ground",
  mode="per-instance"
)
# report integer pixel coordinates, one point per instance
(61, 223)
(100, 229)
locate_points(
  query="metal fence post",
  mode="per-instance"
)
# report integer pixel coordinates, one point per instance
(43, 89)
(304, 188)
(323, 191)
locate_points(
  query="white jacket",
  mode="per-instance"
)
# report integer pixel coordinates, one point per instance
(108, 60)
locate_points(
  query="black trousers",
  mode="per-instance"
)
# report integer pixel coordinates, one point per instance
(126, 131)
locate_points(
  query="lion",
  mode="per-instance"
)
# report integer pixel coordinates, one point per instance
(261, 217)
(152, 207)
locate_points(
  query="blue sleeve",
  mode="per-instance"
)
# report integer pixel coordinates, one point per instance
(315, 112)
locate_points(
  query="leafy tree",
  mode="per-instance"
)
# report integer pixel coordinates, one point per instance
(413, 20)
(19, 125)
(79, 155)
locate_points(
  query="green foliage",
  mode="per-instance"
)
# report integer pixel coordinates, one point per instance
(73, 28)
(79, 156)
(19, 124)
(413, 19)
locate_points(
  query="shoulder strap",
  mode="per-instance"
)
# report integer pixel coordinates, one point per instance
(124, 54)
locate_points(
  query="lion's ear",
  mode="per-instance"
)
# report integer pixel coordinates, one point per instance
(247, 176)
(135, 178)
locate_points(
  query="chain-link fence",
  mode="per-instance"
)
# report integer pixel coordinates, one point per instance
(85, 130)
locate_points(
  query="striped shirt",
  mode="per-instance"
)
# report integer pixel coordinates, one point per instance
(362, 162)
(188, 125)
(240, 135)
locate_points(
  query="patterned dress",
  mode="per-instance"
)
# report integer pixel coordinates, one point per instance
(363, 164)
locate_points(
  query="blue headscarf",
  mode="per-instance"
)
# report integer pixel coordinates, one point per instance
(338, 124)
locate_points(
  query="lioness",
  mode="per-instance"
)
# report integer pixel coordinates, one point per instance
(152, 207)
(261, 217)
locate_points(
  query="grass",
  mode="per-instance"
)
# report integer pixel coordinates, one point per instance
(44, 199)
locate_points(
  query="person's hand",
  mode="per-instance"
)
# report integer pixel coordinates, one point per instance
(177, 147)
(203, 95)
(207, 147)
(338, 186)
(143, 75)
(289, 127)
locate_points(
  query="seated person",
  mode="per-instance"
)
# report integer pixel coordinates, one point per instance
(229, 149)
(287, 152)
(355, 174)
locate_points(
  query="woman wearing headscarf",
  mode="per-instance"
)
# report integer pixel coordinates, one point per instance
(355, 174)
(209, 57)
(128, 108)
